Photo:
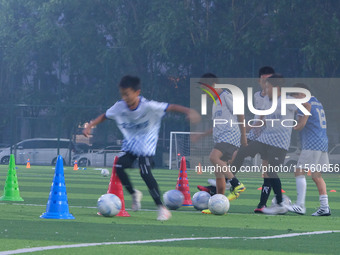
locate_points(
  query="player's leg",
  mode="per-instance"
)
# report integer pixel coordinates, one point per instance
(276, 158)
(324, 209)
(220, 155)
(215, 158)
(151, 183)
(125, 160)
(301, 187)
(211, 189)
(265, 191)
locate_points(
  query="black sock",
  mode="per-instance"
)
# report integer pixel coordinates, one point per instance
(234, 182)
(277, 188)
(266, 188)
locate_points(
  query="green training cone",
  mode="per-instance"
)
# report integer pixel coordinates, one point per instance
(11, 190)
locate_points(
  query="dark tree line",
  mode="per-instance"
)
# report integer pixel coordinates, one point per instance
(64, 58)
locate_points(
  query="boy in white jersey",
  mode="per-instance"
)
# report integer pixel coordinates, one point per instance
(227, 139)
(139, 121)
(272, 143)
(259, 100)
(314, 154)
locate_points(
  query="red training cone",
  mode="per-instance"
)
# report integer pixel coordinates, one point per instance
(116, 188)
(183, 183)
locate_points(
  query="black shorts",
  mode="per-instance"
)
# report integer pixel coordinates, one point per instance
(274, 155)
(227, 150)
(126, 160)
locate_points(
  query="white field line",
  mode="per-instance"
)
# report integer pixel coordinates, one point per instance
(54, 247)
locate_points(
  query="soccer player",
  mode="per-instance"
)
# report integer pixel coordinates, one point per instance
(272, 143)
(227, 139)
(314, 154)
(259, 101)
(139, 121)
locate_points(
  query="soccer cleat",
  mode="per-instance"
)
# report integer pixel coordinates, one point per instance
(212, 182)
(322, 212)
(206, 211)
(297, 209)
(163, 213)
(235, 193)
(210, 189)
(203, 188)
(259, 209)
(275, 209)
(136, 199)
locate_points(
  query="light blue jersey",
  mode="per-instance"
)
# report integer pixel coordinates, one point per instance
(277, 133)
(314, 135)
(226, 133)
(140, 127)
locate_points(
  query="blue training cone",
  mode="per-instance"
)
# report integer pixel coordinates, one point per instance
(57, 204)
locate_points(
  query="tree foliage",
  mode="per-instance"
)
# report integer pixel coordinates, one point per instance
(73, 53)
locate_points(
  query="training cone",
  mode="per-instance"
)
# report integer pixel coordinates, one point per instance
(57, 204)
(116, 188)
(183, 183)
(11, 190)
(28, 165)
(75, 167)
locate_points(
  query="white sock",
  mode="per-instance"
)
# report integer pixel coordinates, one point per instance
(301, 186)
(323, 201)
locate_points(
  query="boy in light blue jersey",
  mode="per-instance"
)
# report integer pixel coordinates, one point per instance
(139, 121)
(314, 154)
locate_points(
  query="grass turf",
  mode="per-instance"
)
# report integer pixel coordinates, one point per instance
(21, 227)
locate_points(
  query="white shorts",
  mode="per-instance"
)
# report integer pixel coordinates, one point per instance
(316, 161)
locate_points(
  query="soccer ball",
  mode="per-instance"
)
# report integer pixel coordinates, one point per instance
(200, 200)
(109, 205)
(173, 199)
(285, 199)
(218, 204)
(105, 172)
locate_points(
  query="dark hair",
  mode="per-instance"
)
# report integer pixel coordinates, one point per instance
(266, 70)
(276, 80)
(301, 85)
(208, 75)
(129, 81)
(209, 78)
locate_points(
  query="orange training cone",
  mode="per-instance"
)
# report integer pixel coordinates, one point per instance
(116, 188)
(28, 165)
(75, 167)
(183, 183)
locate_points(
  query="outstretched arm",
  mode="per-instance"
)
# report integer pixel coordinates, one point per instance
(191, 114)
(96, 121)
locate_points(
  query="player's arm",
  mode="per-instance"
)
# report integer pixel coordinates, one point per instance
(96, 121)
(195, 137)
(302, 120)
(240, 119)
(191, 114)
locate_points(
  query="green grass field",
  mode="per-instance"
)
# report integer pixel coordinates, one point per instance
(21, 227)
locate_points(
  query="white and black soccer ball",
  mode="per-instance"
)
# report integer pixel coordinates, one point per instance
(109, 205)
(218, 204)
(104, 172)
(173, 199)
(200, 200)
(285, 199)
